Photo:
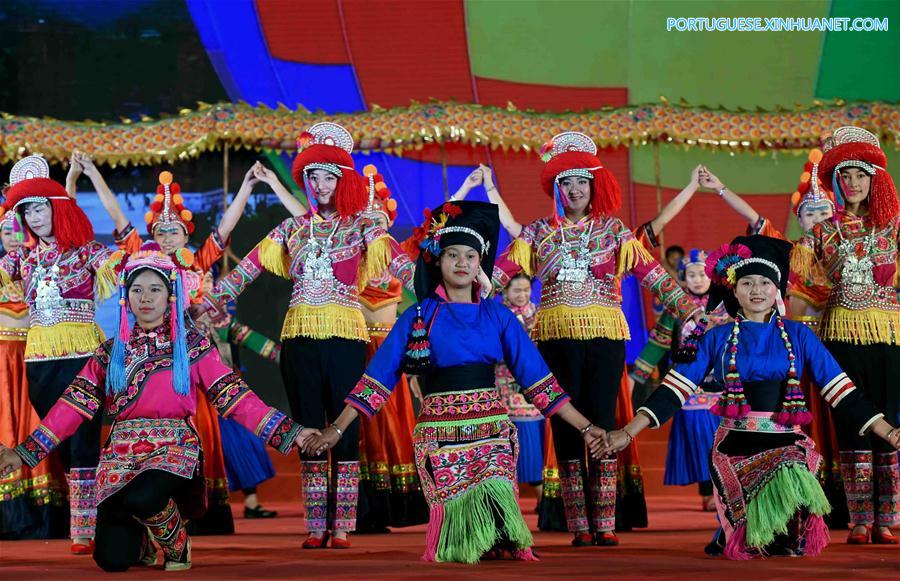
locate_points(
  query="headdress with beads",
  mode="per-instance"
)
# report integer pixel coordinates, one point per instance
(810, 191)
(175, 270)
(168, 207)
(769, 257)
(380, 200)
(327, 146)
(575, 154)
(30, 183)
(855, 147)
(473, 224)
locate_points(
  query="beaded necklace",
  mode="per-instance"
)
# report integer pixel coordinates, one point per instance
(733, 404)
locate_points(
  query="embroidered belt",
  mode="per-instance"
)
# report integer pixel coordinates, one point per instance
(757, 422)
(13, 333)
(67, 311)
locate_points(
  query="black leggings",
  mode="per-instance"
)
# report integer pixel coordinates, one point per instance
(47, 380)
(318, 375)
(875, 369)
(120, 536)
(591, 372)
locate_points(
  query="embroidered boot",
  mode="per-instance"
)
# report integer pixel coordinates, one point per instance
(602, 477)
(857, 474)
(346, 497)
(82, 508)
(167, 529)
(571, 481)
(315, 499)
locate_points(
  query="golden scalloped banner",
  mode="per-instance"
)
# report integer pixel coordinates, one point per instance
(209, 127)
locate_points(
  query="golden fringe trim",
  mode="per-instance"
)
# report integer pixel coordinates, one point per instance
(592, 322)
(521, 254)
(106, 282)
(378, 258)
(866, 327)
(324, 322)
(63, 340)
(803, 260)
(5, 279)
(631, 254)
(274, 259)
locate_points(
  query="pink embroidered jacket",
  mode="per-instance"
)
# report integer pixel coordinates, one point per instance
(150, 394)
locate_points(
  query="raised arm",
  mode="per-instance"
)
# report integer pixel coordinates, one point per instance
(673, 208)
(287, 199)
(710, 181)
(107, 198)
(510, 224)
(236, 208)
(472, 180)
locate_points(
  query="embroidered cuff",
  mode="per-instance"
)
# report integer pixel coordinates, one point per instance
(368, 396)
(647, 229)
(680, 385)
(278, 431)
(546, 395)
(837, 389)
(37, 446)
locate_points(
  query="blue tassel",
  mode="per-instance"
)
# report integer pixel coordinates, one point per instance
(836, 187)
(115, 374)
(310, 196)
(181, 372)
(557, 196)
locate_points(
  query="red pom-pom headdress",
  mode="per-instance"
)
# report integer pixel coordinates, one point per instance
(168, 207)
(30, 182)
(855, 147)
(328, 146)
(575, 154)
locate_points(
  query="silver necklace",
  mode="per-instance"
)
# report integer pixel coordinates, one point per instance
(48, 296)
(857, 278)
(576, 258)
(318, 271)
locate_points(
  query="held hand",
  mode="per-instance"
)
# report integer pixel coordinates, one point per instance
(317, 445)
(695, 176)
(304, 435)
(476, 178)
(9, 462)
(264, 174)
(709, 180)
(250, 178)
(596, 440)
(617, 441)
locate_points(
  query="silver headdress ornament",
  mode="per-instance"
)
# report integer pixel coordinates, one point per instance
(27, 168)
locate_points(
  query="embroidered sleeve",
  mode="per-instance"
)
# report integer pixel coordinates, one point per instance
(211, 251)
(270, 254)
(128, 239)
(79, 402)
(528, 367)
(37, 446)
(384, 370)
(243, 336)
(679, 384)
(655, 349)
(633, 257)
(836, 388)
(234, 399)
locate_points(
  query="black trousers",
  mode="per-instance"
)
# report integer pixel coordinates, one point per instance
(47, 380)
(875, 369)
(318, 374)
(591, 372)
(120, 536)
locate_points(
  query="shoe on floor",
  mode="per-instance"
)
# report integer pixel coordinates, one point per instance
(259, 512)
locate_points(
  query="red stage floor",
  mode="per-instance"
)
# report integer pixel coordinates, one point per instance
(672, 547)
